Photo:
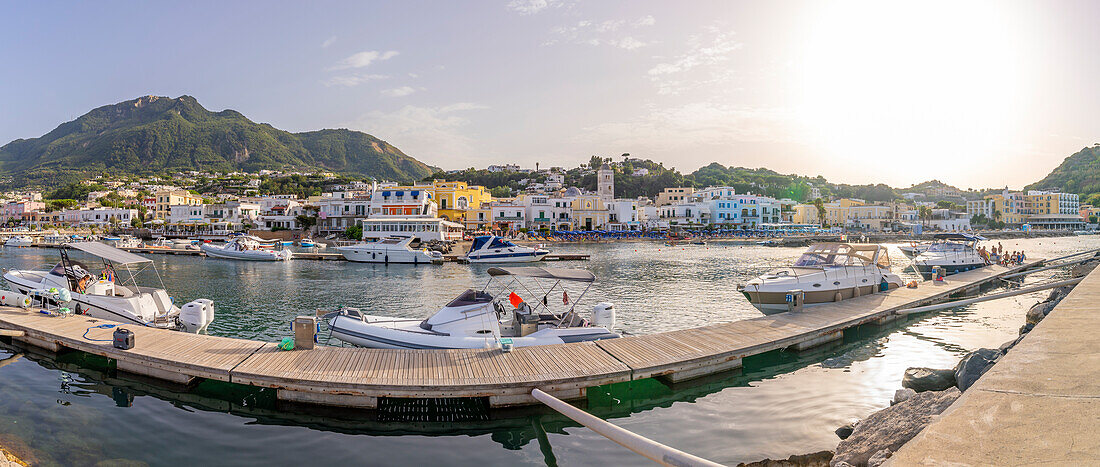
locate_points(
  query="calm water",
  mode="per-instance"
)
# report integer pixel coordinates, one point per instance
(72, 410)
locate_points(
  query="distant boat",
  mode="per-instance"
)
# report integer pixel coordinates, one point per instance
(392, 249)
(244, 249)
(493, 249)
(19, 241)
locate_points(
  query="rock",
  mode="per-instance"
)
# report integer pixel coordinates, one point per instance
(879, 458)
(1039, 311)
(845, 431)
(928, 379)
(1082, 270)
(817, 459)
(1010, 344)
(902, 395)
(973, 366)
(892, 427)
(1026, 328)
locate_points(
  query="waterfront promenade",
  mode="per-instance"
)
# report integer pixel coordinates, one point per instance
(1040, 404)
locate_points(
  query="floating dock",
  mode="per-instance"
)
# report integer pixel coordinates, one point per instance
(359, 377)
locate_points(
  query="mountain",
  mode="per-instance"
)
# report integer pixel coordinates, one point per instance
(1079, 173)
(156, 134)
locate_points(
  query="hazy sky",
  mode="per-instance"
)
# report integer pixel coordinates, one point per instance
(976, 94)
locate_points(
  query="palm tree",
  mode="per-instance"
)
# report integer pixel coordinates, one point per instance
(820, 210)
(925, 213)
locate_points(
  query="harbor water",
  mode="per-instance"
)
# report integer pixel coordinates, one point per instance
(74, 409)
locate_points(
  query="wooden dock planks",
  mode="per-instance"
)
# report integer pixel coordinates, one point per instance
(357, 376)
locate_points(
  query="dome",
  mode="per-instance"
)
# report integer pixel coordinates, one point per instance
(572, 191)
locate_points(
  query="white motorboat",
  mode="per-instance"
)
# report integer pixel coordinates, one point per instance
(493, 249)
(20, 240)
(243, 248)
(954, 252)
(913, 249)
(123, 241)
(497, 317)
(107, 295)
(392, 249)
(826, 272)
(310, 243)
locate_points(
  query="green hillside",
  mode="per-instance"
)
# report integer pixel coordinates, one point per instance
(1079, 173)
(156, 134)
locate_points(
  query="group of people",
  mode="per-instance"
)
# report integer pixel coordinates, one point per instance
(997, 255)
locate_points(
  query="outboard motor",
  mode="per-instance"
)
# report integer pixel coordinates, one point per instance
(603, 314)
(196, 315)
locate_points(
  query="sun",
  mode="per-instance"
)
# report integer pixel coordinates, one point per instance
(898, 91)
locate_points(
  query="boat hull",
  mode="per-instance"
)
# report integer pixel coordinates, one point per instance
(95, 307)
(251, 255)
(770, 302)
(389, 333)
(925, 270)
(521, 257)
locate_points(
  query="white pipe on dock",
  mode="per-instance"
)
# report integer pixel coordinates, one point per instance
(1044, 268)
(968, 301)
(652, 450)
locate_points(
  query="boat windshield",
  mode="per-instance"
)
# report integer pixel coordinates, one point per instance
(831, 255)
(498, 243)
(471, 297)
(77, 270)
(948, 247)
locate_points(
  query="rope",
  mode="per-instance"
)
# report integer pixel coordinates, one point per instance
(101, 326)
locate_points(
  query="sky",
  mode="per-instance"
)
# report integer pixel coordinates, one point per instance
(973, 93)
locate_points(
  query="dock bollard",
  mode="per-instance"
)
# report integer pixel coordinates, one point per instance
(794, 299)
(305, 332)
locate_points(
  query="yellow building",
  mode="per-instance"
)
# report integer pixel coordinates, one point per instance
(589, 212)
(168, 198)
(459, 202)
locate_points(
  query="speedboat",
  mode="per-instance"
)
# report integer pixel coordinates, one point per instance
(493, 249)
(307, 243)
(496, 316)
(826, 272)
(392, 249)
(20, 240)
(108, 295)
(954, 252)
(914, 249)
(243, 248)
(123, 241)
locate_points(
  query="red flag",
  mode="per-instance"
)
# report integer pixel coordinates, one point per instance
(515, 300)
(565, 297)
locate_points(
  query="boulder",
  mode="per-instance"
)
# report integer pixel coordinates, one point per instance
(902, 395)
(1039, 311)
(1004, 348)
(890, 428)
(879, 458)
(1026, 328)
(817, 459)
(974, 365)
(928, 379)
(845, 431)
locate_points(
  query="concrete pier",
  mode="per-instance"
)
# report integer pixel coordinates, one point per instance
(1039, 404)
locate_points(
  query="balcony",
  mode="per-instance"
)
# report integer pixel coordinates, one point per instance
(508, 218)
(542, 219)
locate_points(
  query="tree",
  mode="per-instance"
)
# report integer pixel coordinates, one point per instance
(925, 214)
(997, 215)
(820, 210)
(354, 232)
(1092, 219)
(135, 222)
(501, 192)
(307, 222)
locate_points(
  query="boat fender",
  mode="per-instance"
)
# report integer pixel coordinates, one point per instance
(838, 297)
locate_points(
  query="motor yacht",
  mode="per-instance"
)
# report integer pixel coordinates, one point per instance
(243, 248)
(493, 249)
(826, 272)
(913, 249)
(496, 316)
(108, 295)
(954, 252)
(19, 241)
(392, 249)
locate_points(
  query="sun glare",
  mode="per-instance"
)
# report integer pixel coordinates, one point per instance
(885, 86)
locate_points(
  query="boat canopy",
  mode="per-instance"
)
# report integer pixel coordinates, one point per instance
(573, 275)
(843, 254)
(108, 253)
(958, 236)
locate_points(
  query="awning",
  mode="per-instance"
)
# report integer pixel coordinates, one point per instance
(108, 253)
(575, 275)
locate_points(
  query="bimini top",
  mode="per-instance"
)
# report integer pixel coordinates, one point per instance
(574, 275)
(108, 253)
(958, 236)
